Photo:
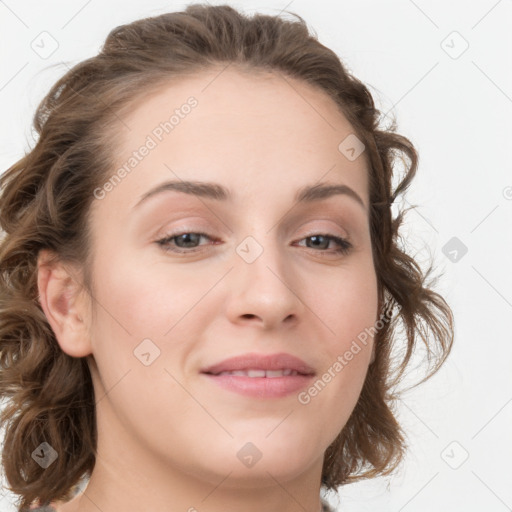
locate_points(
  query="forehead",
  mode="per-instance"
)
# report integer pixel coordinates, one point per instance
(238, 127)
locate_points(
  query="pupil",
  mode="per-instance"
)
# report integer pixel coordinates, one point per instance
(186, 239)
(316, 238)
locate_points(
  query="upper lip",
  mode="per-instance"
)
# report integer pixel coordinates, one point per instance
(281, 361)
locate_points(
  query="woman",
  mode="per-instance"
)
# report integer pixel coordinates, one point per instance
(201, 276)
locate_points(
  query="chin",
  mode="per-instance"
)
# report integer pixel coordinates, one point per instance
(253, 464)
(282, 457)
(266, 473)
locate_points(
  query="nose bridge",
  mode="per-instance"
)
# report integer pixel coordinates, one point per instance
(262, 257)
(264, 283)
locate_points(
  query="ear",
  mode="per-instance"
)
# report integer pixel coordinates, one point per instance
(65, 303)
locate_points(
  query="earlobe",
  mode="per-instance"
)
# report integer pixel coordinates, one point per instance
(64, 303)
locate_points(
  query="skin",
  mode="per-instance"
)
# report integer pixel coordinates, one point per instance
(166, 434)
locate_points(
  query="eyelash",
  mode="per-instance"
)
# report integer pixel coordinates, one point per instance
(344, 246)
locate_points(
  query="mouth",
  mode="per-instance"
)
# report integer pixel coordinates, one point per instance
(261, 376)
(254, 373)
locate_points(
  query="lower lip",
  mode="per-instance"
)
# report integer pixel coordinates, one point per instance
(261, 387)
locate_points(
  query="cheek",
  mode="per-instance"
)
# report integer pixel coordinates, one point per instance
(148, 300)
(146, 314)
(348, 314)
(346, 305)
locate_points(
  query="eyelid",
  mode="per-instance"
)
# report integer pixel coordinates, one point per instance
(343, 245)
(198, 225)
(332, 231)
(188, 225)
(333, 228)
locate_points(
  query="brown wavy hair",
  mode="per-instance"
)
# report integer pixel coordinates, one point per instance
(45, 201)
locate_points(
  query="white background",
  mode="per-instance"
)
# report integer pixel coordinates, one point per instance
(457, 113)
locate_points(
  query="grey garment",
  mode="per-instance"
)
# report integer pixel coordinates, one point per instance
(326, 507)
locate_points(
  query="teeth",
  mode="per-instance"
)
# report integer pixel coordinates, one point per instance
(274, 373)
(261, 373)
(256, 373)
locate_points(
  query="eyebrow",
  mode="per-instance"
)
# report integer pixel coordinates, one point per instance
(218, 192)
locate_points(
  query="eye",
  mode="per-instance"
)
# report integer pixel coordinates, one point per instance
(323, 240)
(184, 242)
(189, 242)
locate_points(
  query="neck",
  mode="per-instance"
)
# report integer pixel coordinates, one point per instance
(131, 476)
(110, 490)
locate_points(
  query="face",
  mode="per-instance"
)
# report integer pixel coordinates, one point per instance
(186, 278)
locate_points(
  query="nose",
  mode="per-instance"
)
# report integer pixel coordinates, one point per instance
(264, 292)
